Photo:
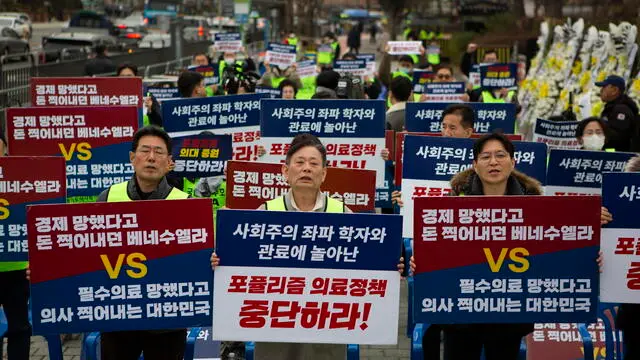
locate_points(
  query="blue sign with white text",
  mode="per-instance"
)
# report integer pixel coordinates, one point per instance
(583, 169)
(161, 93)
(498, 76)
(273, 93)
(490, 117)
(376, 239)
(328, 119)
(210, 113)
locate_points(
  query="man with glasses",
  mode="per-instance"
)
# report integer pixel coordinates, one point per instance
(150, 156)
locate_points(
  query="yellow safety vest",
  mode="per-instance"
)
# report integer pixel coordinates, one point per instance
(487, 97)
(118, 193)
(331, 206)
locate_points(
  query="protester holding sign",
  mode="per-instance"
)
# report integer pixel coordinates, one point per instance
(288, 89)
(150, 156)
(275, 75)
(305, 169)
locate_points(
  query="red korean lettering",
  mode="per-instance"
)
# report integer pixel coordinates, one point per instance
(277, 285)
(633, 276)
(331, 149)
(286, 148)
(347, 316)
(370, 149)
(237, 137)
(358, 287)
(419, 191)
(253, 314)
(276, 149)
(284, 309)
(625, 246)
(435, 191)
(314, 316)
(343, 149)
(257, 285)
(446, 192)
(296, 285)
(377, 287)
(320, 286)
(186, 143)
(238, 284)
(339, 286)
(332, 163)
(357, 149)
(195, 143)
(249, 136)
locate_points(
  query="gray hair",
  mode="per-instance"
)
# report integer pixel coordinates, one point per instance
(633, 165)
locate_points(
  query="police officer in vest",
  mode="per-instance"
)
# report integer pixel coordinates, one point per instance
(305, 169)
(150, 156)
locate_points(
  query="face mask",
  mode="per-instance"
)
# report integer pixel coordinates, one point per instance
(593, 142)
(230, 60)
(404, 70)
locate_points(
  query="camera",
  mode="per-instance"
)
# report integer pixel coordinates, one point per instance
(238, 75)
(350, 87)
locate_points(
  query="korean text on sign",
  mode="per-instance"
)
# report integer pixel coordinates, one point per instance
(557, 135)
(351, 130)
(228, 42)
(490, 117)
(26, 181)
(500, 255)
(620, 241)
(307, 277)
(238, 115)
(281, 55)
(429, 164)
(498, 76)
(204, 155)
(120, 266)
(579, 172)
(404, 47)
(95, 142)
(113, 91)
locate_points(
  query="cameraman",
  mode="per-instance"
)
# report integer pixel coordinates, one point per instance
(240, 78)
(273, 76)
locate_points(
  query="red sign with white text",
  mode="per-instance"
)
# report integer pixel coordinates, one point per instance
(87, 91)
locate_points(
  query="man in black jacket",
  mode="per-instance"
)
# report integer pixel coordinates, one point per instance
(101, 64)
(620, 114)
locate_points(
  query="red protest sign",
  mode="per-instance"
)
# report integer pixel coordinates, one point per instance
(251, 184)
(87, 91)
(399, 148)
(388, 142)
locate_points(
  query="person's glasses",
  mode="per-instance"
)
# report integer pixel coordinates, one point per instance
(499, 155)
(443, 76)
(146, 151)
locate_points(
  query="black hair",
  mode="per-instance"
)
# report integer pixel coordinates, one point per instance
(401, 88)
(481, 142)
(490, 51)
(303, 140)
(443, 66)
(151, 130)
(349, 56)
(203, 54)
(582, 125)
(288, 82)
(127, 65)
(100, 49)
(188, 81)
(406, 58)
(328, 79)
(464, 111)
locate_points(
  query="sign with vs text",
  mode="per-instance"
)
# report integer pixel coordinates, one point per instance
(113, 266)
(352, 131)
(292, 277)
(26, 181)
(620, 241)
(251, 184)
(506, 251)
(94, 141)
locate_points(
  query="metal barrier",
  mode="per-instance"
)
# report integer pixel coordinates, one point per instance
(167, 67)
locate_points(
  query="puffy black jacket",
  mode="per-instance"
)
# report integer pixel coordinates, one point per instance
(621, 117)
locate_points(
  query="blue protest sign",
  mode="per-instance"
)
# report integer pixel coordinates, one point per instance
(430, 162)
(556, 134)
(498, 76)
(383, 194)
(445, 92)
(210, 73)
(579, 172)
(490, 117)
(271, 92)
(507, 250)
(205, 349)
(280, 55)
(162, 93)
(203, 155)
(314, 252)
(351, 130)
(620, 244)
(420, 79)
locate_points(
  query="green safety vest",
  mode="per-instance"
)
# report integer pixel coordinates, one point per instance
(331, 206)
(423, 35)
(209, 91)
(406, 33)
(118, 193)
(433, 59)
(326, 57)
(308, 88)
(221, 66)
(189, 186)
(293, 41)
(415, 58)
(275, 81)
(488, 98)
